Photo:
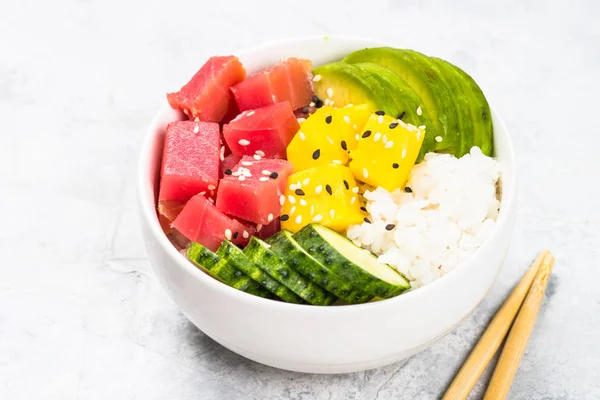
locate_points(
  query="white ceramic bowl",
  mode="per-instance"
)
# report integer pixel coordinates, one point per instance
(320, 339)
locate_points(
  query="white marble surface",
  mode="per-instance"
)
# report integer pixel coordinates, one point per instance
(81, 315)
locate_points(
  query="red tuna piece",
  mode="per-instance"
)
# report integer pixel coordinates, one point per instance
(267, 130)
(253, 191)
(200, 221)
(290, 80)
(207, 95)
(190, 162)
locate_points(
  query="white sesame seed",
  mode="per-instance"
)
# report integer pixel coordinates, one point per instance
(355, 189)
(250, 113)
(302, 135)
(419, 135)
(331, 102)
(329, 92)
(422, 127)
(377, 136)
(419, 111)
(241, 178)
(306, 181)
(380, 119)
(353, 200)
(196, 119)
(246, 163)
(312, 210)
(332, 213)
(293, 187)
(355, 126)
(282, 200)
(365, 173)
(303, 202)
(299, 219)
(257, 157)
(260, 153)
(404, 153)
(349, 105)
(211, 200)
(347, 119)
(236, 173)
(438, 139)
(298, 185)
(326, 102)
(266, 172)
(384, 139)
(243, 142)
(316, 78)
(292, 210)
(336, 162)
(222, 154)
(211, 187)
(247, 174)
(330, 140)
(300, 120)
(317, 218)
(258, 227)
(186, 112)
(228, 233)
(311, 104)
(357, 136)
(319, 189)
(292, 199)
(274, 98)
(263, 178)
(389, 144)
(202, 193)
(196, 129)
(270, 217)
(245, 235)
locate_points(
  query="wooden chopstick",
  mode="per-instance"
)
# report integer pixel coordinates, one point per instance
(519, 335)
(493, 336)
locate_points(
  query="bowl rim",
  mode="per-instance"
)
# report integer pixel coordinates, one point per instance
(149, 215)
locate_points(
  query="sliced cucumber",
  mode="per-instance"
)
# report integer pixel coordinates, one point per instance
(239, 260)
(259, 252)
(357, 265)
(224, 271)
(284, 245)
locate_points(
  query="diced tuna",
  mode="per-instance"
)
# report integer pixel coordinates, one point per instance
(207, 95)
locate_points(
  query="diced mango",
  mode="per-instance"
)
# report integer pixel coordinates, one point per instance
(326, 194)
(386, 152)
(327, 136)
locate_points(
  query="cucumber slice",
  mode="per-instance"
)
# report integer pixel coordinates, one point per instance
(239, 260)
(357, 265)
(224, 271)
(284, 245)
(259, 252)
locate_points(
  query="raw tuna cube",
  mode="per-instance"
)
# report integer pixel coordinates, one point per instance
(290, 80)
(200, 221)
(253, 191)
(267, 130)
(207, 95)
(190, 163)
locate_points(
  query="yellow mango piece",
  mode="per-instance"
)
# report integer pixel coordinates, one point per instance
(327, 136)
(386, 152)
(326, 194)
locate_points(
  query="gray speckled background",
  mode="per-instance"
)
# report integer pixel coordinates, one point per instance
(81, 315)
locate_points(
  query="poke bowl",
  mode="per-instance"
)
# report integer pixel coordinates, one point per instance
(341, 217)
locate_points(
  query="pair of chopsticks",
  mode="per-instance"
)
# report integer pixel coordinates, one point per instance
(519, 311)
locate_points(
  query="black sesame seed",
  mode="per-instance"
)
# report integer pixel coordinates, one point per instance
(393, 125)
(316, 154)
(367, 220)
(395, 165)
(344, 145)
(273, 175)
(380, 112)
(401, 115)
(363, 209)
(299, 192)
(235, 235)
(328, 119)
(389, 227)
(284, 217)
(366, 134)
(347, 185)
(228, 172)
(408, 189)
(328, 188)
(319, 103)
(315, 99)
(305, 110)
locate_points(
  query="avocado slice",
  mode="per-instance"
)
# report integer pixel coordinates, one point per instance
(416, 70)
(350, 85)
(407, 101)
(480, 113)
(460, 89)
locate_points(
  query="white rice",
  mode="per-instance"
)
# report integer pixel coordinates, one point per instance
(451, 211)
